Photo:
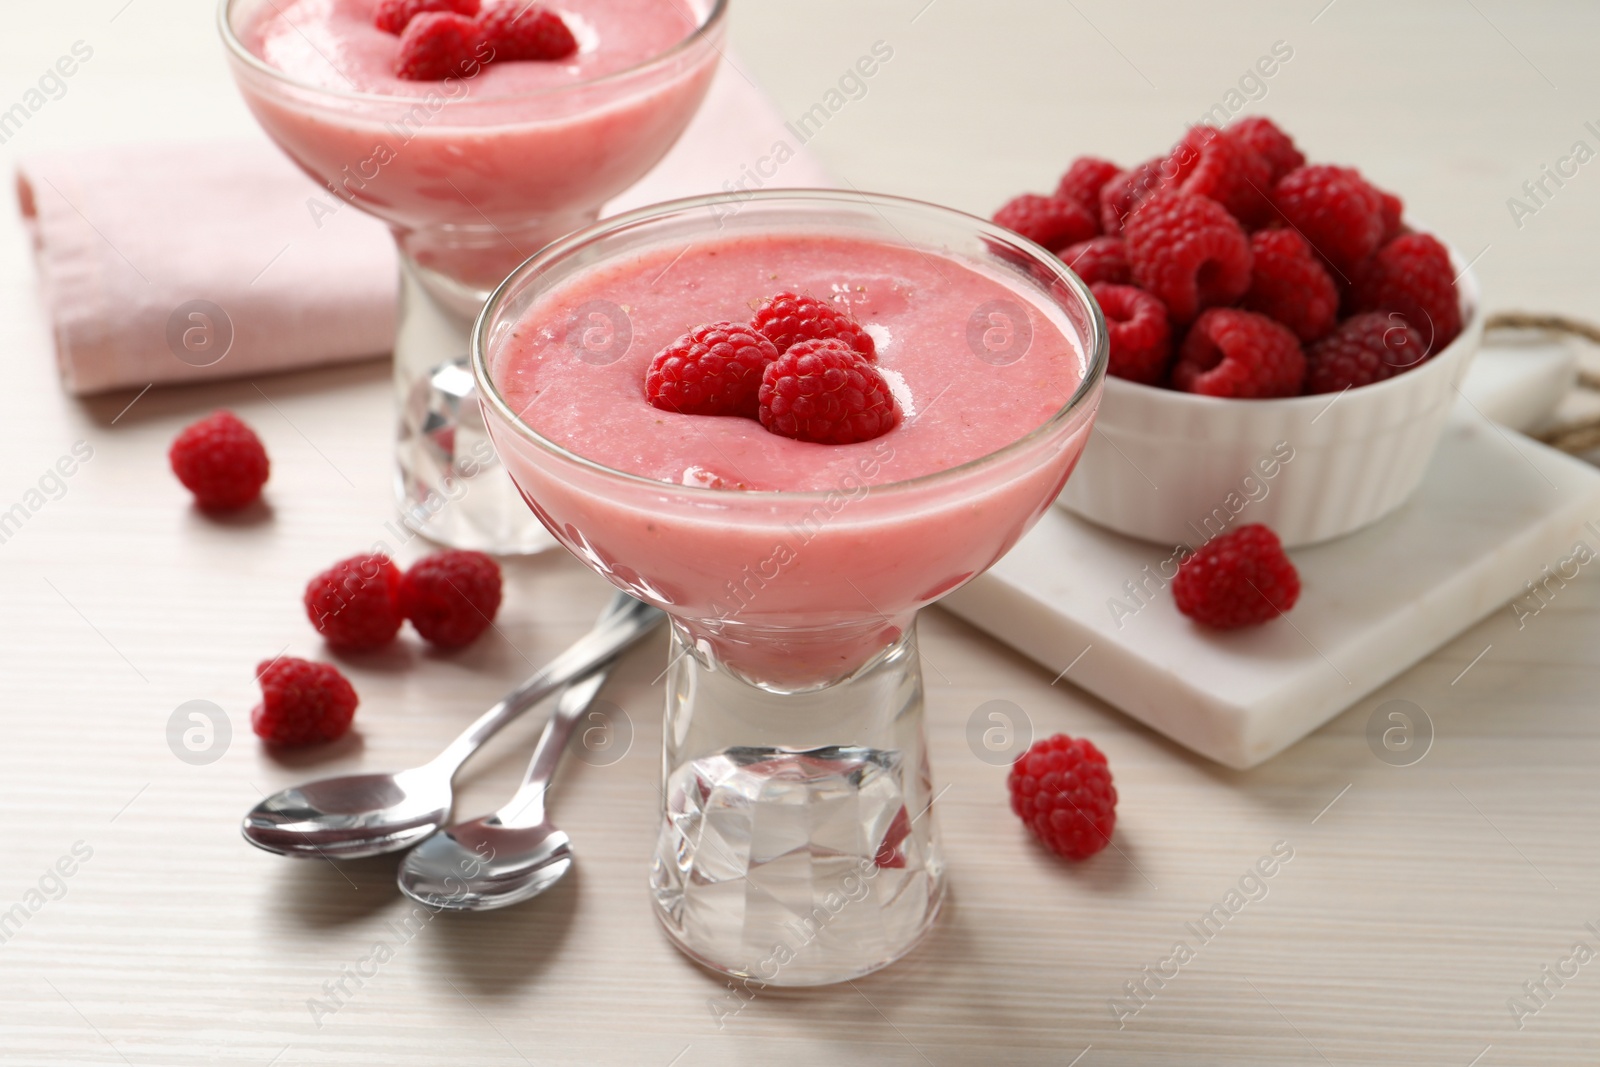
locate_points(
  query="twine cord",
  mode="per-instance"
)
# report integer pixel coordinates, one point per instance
(1580, 435)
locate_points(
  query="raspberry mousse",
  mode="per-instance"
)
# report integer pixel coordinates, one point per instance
(476, 158)
(916, 307)
(829, 529)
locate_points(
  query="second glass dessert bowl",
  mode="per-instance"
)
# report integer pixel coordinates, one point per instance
(473, 174)
(797, 844)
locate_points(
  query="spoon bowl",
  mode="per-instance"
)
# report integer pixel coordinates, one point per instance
(483, 864)
(351, 817)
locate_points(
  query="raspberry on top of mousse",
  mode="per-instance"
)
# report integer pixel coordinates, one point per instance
(789, 318)
(442, 39)
(801, 367)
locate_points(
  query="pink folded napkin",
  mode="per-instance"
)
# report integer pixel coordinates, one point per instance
(186, 262)
(183, 262)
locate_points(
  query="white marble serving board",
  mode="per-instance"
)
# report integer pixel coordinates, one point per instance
(1494, 509)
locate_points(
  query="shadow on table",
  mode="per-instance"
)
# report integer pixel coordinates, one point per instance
(313, 757)
(257, 513)
(505, 950)
(323, 895)
(483, 952)
(128, 407)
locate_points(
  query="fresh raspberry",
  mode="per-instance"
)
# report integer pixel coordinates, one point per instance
(438, 46)
(1141, 340)
(1271, 143)
(1126, 191)
(1227, 170)
(1335, 209)
(1084, 180)
(221, 461)
(1241, 354)
(823, 391)
(711, 370)
(1184, 157)
(1412, 275)
(1052, 221)
(1099, 259)
(353, 603)
(395, 15)
(1061, 788)
(1290, 284)
(302, 703)
(1242, 578)
(1189, 251)
(1394, 210)
(517, 31)
(451, 597)
(1365, 348)
(788, 318)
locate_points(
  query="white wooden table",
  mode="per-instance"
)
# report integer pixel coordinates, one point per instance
(1418, 901)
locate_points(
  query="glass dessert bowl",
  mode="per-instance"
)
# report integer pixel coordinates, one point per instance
(473, 175)
(798, 845)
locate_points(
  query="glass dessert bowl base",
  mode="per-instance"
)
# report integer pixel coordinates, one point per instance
(798, 844)
(450, 486)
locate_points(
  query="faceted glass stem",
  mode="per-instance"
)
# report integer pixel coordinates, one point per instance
(449, 483)
(798, 844)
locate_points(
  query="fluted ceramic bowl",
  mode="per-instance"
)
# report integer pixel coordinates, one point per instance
(1178, 468)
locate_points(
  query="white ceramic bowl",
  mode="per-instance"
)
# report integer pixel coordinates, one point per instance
(1177, 468)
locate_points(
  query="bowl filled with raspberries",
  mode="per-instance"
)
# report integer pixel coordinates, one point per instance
(1285, 344)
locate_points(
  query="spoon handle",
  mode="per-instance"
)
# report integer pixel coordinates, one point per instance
(526, 807)
(624, 622)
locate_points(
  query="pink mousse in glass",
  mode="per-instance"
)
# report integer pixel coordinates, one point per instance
(475, 173)
(795, 562)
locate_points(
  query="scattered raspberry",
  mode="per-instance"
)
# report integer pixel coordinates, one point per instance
(518, 31)
(1335, 209)
(1099, 259)
(1141, 340)
(1061, 788)
(1289, 284)
(788, 318)
(1242, 578)
(451, 597)
(1271, 143)
(302, 703)
(437, 46)
(395, 15)
(1121, 194)
(1365, 348)
(1052, 221)
(1229, 171)
(1084, 180)
(353, 603)
(1241, 354)
(221, 461)
(822, 391)
(1412, 275)
(1189, 251)
(711, 370)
